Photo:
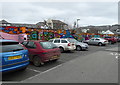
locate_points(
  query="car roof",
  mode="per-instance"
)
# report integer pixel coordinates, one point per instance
(97, 38)
(5, 40)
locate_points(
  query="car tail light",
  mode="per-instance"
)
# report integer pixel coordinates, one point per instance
(105, 41)
(68, 44)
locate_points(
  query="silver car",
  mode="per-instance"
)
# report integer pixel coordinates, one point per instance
(64, 44)
(79, 45)
(97, 41)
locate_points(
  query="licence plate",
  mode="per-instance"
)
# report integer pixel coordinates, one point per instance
(55, 57)
(14, 57)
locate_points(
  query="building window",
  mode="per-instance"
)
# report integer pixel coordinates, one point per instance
(49, 23)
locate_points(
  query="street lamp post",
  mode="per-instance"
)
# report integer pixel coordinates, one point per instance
(77, 22)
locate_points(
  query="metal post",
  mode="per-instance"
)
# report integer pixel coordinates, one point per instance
(77, 22)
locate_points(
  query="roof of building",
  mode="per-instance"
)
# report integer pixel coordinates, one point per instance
(24, 25)
(4, 22)
(40, 23)
(58, 21)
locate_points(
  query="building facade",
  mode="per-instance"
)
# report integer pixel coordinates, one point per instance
(56, 24)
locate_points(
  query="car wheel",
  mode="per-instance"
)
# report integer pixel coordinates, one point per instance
(110, 42)
(61, 49)
(37, 61)
(100, 44)
(78, 48)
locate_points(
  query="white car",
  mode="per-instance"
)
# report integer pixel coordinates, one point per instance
(64, 44)
(97, 41)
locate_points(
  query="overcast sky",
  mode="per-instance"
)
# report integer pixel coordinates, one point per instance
(89, 13)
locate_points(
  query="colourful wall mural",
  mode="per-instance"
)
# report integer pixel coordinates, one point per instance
(13, 30)
(49, 34)
(45, 34)
(34, 35)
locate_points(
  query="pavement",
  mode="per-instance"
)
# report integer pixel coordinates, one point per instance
(99, 67)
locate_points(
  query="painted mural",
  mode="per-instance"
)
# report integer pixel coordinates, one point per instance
(13, 30)
(44, 34)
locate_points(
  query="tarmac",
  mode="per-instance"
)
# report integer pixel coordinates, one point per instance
(99, 67)
(116, 49)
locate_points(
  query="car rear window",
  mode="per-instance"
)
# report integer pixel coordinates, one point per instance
(64, 41)
(10, 46)
(48, 45)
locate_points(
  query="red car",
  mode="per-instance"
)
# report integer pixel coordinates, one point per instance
(111, 40)
(41, 51)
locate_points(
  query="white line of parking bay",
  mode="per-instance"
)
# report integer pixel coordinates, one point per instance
(41, 72)
(34, 70)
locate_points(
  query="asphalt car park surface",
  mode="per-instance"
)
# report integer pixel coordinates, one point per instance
(65, 57)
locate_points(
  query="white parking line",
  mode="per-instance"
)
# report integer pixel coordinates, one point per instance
(51, 69)
(42, 72)
(33, 70)
(117, 57)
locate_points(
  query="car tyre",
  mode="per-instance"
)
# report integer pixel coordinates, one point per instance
(100, 44)
(37, 61)
(61, 49)
(110, 42)
(78, 48)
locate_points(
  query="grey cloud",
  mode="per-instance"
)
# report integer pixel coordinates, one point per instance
(88, 12)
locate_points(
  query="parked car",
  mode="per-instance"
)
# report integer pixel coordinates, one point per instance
(64, 44)
(118, 39)
(111, 40)
(97, 41)
(13, 56)
(79, 45)
(42, 51)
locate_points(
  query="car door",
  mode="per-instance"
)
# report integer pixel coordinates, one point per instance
(91, 41)
(31, 46)
(64, 43)
(97, 41)
(57, 42)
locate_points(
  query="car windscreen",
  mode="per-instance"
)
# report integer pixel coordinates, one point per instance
(50, 40)
(10, 46)
(48, 45)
